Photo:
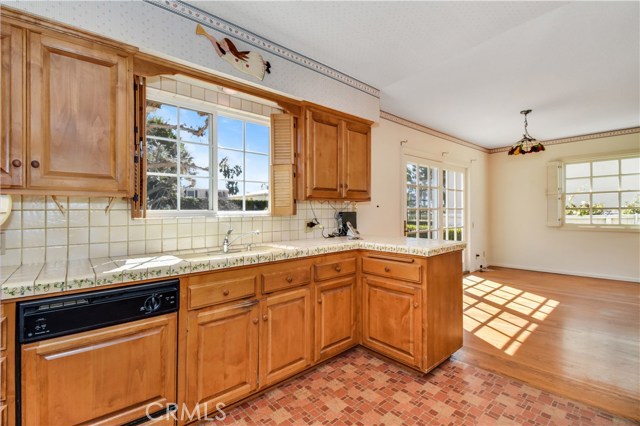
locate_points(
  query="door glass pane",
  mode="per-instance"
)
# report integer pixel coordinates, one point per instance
(423, 175)
(411, 196)
(411, 174)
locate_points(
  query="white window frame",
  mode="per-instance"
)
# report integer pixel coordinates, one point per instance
(215, 110)
(563, 199)
(440, 165)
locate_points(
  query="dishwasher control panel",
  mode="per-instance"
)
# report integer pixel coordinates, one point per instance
(59, 316)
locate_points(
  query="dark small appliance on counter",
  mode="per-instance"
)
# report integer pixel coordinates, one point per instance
(343, 218)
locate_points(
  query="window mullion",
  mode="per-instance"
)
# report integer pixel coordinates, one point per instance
(179, 159)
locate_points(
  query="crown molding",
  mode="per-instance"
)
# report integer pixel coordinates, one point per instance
(216, 23)
(419, 127)
(579, 138)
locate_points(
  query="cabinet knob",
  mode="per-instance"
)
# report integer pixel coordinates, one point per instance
(16, 163)
(415, 305)
(289, 278)
(225, 292)
(338, 268)
(255, 320)
(35, 164)
(387, 269)
(320, 301)
(265, 317)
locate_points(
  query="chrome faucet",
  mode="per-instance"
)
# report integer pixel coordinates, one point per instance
(226, 243)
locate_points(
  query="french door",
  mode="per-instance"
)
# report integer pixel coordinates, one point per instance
(434, 206)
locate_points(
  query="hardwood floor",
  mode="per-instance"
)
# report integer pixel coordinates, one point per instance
(574, 336)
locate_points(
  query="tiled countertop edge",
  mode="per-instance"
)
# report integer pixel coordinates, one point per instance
(49, 278)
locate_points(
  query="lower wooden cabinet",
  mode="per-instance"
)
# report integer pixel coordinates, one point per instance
(82, 379)
(286, 335)
(222, 355)
(335, 317)
(391, 319)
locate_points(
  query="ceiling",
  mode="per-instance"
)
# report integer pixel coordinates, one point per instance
(468, 68)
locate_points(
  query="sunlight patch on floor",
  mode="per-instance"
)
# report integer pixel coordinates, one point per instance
(501, 315)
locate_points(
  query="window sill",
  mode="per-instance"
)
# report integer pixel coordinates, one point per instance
(601, 228)
(168, 214)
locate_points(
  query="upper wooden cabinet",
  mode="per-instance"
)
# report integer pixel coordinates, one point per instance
(67, 122)
(12, 107)
(80, 116)
(335, 157)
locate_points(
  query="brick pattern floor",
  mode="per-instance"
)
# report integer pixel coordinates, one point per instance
(357, 388)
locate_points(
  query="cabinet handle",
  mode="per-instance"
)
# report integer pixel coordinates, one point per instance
(265, 317)
(387, 269)
(35, 164)
(415, 305)
(255, 320)
(225, 292)
(289, 278)
(338, 268)
(392, 259)
(16, 163)
(320, 301)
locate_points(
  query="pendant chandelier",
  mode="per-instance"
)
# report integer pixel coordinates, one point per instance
(527, 144)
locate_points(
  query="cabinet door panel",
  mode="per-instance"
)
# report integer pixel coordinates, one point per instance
(106, 376)
(335, 317)
(392, 319)
(324, 159)
(79, 116)
(12, 92)
(286, 336)
(222, 355)
(357, 161)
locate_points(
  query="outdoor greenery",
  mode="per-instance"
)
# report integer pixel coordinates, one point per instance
(162, 158)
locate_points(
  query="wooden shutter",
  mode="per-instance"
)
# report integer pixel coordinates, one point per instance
(283, 135)
(139, 199)
(554, 194)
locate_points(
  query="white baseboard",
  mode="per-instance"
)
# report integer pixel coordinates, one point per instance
(566, 272)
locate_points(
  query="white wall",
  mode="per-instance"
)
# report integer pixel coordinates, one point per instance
(383, 215)
(161, 32)
(517, 211)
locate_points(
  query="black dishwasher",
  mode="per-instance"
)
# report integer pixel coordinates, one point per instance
(65, 315)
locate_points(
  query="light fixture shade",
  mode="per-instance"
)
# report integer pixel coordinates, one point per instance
(527, 144)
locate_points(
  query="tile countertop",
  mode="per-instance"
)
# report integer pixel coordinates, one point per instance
(54, 277)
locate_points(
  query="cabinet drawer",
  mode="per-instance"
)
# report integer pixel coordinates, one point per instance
(275, 281)
(338, 268)
(211, 293)
(393, 267)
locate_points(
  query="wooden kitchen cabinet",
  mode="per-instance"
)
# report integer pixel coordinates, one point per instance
(222, 355)
(67, 110)
(80, 116)
(335, 317)
(114, 394)
(392, 319)
(336, 157)
(286, 336)
(13, 107)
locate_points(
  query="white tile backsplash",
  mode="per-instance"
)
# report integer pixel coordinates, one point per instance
(37, 231)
